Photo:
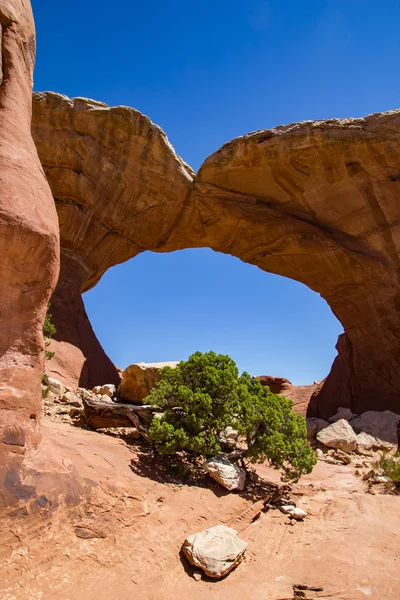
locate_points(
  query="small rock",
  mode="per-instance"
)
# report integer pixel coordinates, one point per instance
(369, 475)
(108, 389)
(293, 511)
(197, 575)
(319, 454)
(71, 399)
(342, 413)
(338, 435)
(55, 386)
(299, 514)
(227, 474)
(343, 457)
(381, 479)
(216, 551)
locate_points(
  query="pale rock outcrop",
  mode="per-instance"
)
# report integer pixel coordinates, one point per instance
(315, 201)
(216, 551)
(138, 380)
(338, 435)
(227, 474)
(342, 413)
(29, 248)
(381, 428)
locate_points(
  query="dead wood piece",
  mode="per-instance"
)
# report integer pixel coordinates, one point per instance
(99, 414)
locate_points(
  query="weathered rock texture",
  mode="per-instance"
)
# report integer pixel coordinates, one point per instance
(313, 201)
(119, 188)
(28, 247)
(139, 379)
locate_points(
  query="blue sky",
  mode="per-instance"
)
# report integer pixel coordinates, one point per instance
(207, 72)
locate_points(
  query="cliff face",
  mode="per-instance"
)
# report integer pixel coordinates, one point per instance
(29, 246)
(313, 201)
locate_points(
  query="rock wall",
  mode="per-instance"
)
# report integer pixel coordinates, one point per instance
(29, 248)
(313, 201)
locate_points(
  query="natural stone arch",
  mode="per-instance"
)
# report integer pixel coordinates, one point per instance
(314, 201)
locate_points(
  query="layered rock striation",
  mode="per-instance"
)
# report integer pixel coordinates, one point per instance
(315, 201)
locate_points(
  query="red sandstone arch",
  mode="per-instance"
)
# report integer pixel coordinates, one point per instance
(313, 201)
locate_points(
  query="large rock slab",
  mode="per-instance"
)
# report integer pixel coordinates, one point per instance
(216, 551)
(227, 474)
(339, 435)
(381, 427)
(29, 248)
(139, 379)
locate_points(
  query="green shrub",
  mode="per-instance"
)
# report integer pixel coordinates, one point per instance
(391, 467)
(204, 395)
(48, 331)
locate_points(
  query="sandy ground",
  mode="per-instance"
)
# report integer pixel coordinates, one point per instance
(103, 524)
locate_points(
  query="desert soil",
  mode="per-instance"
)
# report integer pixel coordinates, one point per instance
(113, 525)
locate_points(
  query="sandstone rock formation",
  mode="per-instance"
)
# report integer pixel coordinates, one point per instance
(313, 201)
(137, 380)
(216, 551)
(119, 188)
(28, 248)
(299, 394)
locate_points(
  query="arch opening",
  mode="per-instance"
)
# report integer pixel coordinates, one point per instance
(163, 307)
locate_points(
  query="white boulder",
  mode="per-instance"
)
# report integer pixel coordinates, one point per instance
(381, 426)
(216, 551)
(338, 435)
(227, 474)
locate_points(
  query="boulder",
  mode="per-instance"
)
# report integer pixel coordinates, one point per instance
(338, 435)
(107, 389)
(227, 474)
(55, 386)
(382, 426)
(216, 551)
(342, 413)
(72, 400)
(139, 379)
(314, 425)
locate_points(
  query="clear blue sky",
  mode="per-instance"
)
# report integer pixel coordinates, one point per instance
(206, 72)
